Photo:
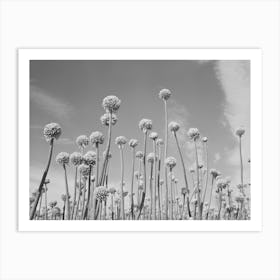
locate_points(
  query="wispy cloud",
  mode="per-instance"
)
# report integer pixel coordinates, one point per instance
(51, 105)
(234, 77)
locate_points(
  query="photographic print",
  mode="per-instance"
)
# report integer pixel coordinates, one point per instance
(126, 138)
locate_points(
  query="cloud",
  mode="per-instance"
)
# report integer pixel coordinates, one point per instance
(51, 105)
(234, 78)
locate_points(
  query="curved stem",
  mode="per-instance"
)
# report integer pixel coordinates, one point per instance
(39, 192)
(107, 150)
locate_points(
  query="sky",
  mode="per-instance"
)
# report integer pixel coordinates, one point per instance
(213, 96)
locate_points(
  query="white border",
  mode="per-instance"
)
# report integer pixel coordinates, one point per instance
(254, 55)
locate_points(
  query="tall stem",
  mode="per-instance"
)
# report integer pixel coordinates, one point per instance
(107, 150)
(144, 175)
(122, 175)
(185, 175)
(155, 180)
(210, 199)
(206, 181)
(67, 194)
(241, 162)
(46, 202)
(171, 195)
(131, 187)
(165, 156)
(198, 188)
(158, 183)
(75, 192)
(39, 192)
(151, 191)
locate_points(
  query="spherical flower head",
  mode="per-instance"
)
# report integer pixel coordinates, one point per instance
(101, 193)
(90, 158)
(164, 94)
(145, 125)
(133, 143)
(96, 138)
(221, 183)
(76, 158)
(120, 140)
(153, 136)
(150, 157)
(204, 139)
(173, 127)
(193, 134)
(111, 103)
(82, 141)
(105, 119)
(139, 155)
(52, 131)
(176, 181)
(170, 162)
(215, 173)
(62, 158)
(240, 131)
(159, 142)
(84, 170)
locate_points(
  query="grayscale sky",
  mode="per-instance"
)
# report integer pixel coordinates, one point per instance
(213, 96)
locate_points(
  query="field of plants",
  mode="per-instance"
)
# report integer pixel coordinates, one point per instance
(153, 192)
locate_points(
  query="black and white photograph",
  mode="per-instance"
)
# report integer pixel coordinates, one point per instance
(132, 140)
